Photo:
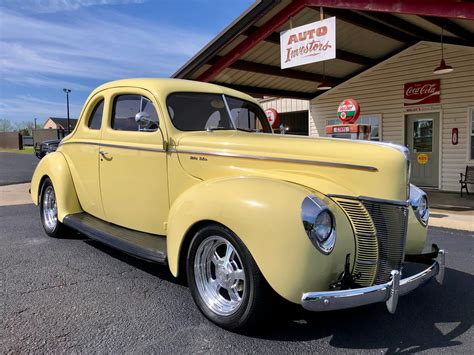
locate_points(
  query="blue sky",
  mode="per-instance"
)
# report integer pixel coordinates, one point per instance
(46, 45)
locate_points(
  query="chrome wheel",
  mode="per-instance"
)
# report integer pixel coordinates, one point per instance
(50, 211)
(219, 275)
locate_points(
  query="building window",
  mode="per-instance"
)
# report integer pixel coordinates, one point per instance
(372, 120)
(471, 132)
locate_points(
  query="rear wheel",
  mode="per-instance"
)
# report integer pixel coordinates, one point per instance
(49, 211)
(224, 279)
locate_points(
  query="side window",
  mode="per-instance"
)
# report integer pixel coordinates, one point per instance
(95, 119)
(246, 115)
(125, 109)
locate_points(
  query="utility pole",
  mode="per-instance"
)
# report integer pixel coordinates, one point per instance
(67, 91)
(35, 123)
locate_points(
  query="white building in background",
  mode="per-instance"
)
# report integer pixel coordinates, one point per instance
(380, 93)
(386, 55)
(292, 113)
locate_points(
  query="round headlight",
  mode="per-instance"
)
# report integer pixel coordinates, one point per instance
(323, 226)
(419, 203)
(422, 206)
(319, 224)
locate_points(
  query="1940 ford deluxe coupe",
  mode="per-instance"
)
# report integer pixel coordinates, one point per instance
(189, 174)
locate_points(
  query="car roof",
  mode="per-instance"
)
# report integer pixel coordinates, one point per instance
(165, 86)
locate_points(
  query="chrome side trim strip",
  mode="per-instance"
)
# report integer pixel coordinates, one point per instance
(86, 143)
(372, 199)
(118, 146)
(234, 155)
(276, 159)
(132, 147)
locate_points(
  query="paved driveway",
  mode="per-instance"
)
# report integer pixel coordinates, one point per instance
(16, 168)
(76, 295)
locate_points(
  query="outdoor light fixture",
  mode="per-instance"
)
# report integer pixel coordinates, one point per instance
(67, 91)
(324, 85)
(443, 68)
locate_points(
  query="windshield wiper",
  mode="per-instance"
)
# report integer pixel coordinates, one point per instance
(227, 129)
(210, 129)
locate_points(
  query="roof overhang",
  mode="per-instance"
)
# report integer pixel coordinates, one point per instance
(246, 55)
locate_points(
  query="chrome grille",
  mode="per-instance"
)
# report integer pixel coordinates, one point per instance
(391, 224)
(380, 230)
(366, 241)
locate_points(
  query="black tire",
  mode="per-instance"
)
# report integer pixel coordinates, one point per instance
(54, 230)
(255, 301)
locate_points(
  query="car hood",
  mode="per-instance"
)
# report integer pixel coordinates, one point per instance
(330, 166)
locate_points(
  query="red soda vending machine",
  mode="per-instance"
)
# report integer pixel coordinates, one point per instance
(348, 112)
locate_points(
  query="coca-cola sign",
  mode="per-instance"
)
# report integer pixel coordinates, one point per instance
(422, 92)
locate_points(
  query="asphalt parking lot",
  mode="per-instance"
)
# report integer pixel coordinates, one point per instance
(16, 168)
(75, 295)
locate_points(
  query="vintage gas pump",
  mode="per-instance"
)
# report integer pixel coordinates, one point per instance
(348, 112)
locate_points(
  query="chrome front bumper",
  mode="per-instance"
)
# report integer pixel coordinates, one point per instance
(388, 292)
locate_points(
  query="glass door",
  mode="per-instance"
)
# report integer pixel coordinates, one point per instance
(422, 139)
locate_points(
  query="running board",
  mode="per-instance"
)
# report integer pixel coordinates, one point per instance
(146, 246)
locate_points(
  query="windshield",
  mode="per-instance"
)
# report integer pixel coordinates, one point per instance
(191, 111)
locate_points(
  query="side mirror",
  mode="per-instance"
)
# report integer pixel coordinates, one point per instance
(145, 123)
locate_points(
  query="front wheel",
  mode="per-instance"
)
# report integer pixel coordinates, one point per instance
(49, 211)
(224, 279)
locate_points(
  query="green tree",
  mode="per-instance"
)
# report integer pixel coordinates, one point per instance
(5, 125)
(25, 127)
(29, 126)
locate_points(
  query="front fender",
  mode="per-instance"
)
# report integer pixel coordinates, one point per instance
(266, 216)
(54, 166)
(416, 234)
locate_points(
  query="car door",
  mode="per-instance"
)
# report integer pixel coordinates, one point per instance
(82, 154)
(133, 164)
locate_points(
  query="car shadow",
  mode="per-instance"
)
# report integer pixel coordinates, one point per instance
(158, 270)
(430, 317)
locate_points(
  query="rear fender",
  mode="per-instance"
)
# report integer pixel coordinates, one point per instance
(54, 166)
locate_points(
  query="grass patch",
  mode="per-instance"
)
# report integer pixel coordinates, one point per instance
(25, 150)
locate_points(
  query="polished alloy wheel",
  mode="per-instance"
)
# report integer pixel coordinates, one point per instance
(50, 211)
(219, 275)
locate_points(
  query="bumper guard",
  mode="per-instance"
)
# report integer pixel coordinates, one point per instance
(388, 292)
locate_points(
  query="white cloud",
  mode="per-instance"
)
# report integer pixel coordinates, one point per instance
(85, 46)
(94, 46)
(45, 6)
(24, 104)
(41, 81)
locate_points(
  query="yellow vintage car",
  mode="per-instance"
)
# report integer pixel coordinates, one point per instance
(190, 175)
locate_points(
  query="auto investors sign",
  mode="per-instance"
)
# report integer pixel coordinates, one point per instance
(310, 43)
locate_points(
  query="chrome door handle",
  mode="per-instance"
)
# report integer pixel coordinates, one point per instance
(103, 153)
